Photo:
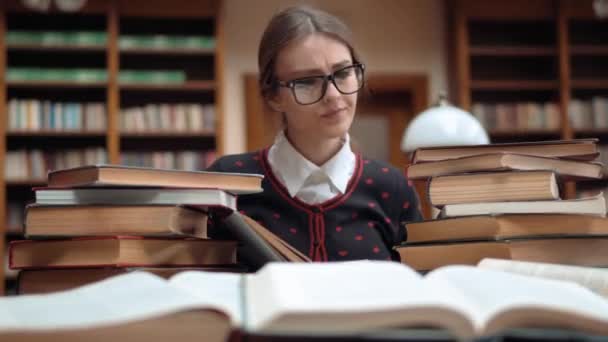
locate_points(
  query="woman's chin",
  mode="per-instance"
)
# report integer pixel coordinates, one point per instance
(334, 131)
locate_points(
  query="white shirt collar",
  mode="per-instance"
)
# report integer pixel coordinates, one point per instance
(293, 169)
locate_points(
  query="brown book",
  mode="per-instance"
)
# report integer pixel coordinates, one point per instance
(279, 245)
(489, 227)
(493, 187)
(567, 169)
(119, 175)
(580, 251)
(93, 220)
(120, 251)
(37, 281)
(579, 149)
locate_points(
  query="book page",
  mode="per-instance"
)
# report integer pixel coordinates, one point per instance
(494, 292)
(346, 297)
(220, 290)
(595, 279)
(122, 299)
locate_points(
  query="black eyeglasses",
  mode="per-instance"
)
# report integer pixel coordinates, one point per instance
(309, 90)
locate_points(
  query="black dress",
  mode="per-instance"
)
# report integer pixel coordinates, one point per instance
(363, 223)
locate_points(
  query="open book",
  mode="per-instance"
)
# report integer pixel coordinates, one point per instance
(292, 298)
(596, 279)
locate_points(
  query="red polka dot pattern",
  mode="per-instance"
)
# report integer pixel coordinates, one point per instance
(356, 225)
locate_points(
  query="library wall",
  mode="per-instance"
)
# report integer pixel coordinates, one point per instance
(405, 36)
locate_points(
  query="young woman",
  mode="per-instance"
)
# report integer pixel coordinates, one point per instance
(320, 196)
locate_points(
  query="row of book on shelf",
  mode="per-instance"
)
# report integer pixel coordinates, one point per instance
(34, 164)
(180, 160)
(168, 117)
(589, 114)
(38, 74)
(520, 115)
(193, 286)
(35, 115)
(99, 38)
(583, 114)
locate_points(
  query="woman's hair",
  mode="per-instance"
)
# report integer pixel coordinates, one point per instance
(289, 25)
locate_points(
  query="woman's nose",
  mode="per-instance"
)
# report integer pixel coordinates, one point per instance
(331, 91)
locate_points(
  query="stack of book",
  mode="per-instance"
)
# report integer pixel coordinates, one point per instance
(93, 222)
(504, 201)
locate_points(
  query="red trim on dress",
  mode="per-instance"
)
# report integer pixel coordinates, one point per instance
(317, 228)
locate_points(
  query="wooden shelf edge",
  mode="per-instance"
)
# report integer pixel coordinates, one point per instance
(56, 48)
(56, 84)
(58, 134)
(184, 134)
(187, 86)
(513, 51)
(514, 85)
(589, 50)
(26, 182)
(590, 84)
(168, 52)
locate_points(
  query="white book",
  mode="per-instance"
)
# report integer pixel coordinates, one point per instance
(309, 298)
(595, 205)
(131, 196)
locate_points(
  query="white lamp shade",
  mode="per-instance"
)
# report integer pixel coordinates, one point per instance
(443, 125)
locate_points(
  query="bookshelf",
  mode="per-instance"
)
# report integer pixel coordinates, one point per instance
(123, 81)
(532, 69)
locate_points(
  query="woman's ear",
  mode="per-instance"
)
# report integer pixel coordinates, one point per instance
(275, 104)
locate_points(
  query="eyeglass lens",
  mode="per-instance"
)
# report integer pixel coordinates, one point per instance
(311, 89)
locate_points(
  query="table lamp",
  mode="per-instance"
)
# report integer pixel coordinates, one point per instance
(443, 125)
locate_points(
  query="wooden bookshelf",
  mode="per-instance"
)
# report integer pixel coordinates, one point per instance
(190, 86)
(522, 51)
(201, 68)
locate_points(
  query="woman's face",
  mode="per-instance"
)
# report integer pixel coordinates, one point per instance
(314, 55)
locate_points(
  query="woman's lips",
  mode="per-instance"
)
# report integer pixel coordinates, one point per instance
(332, 113)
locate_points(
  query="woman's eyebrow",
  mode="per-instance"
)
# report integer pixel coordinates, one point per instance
(317, 71)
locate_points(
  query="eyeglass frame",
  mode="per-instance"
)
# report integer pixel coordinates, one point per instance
(326, 79)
